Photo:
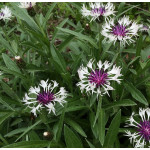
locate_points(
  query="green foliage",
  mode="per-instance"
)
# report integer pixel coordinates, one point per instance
(72, 140)
(53, 40)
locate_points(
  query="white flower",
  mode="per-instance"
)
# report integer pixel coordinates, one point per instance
(144, 28)
(97, 10)
(1, 73)
(124, 30)
(17, 57)
(27, 4)
(97, 79)
(140, 138)
(5, 13)
(45, 96)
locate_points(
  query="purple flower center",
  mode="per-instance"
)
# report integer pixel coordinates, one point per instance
(98, 77)
(45, 97)
(145, 28)
(1, 14)
(144, 129)
(30, 4)
(119, 30)
(99, 11)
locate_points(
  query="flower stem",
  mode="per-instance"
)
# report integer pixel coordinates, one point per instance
(100, 39)
(100, 102)
(119, 54)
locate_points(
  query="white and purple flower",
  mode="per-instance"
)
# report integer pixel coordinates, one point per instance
(144, 28)
(45, 96)
(97, 78)
(97, 10)
(141, 122)
(27, 4)
(5, 13)
(124, 31)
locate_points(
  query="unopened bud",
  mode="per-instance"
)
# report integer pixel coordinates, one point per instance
(87, 25)
(6, 79)
(46, 134)
(17, 57)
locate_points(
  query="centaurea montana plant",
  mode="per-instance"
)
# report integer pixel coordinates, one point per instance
(74, 75)
(141, 123)
(5, 13)
(27, 4)
(45, 96)
(98, 10)
(96, 79)
(123, 31)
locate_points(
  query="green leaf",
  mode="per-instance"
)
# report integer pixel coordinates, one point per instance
(93, 128)
(80, 36)
(75, 108)
(143, 81)
(56, 30)
(60, 124)
(112, 131)
(76, 126)
(34, 68)
(4, 140)
(143, 12)
(121, 7)
(76, 64)
(146, 66)
(3, 118)
(14, 132)
(43, 116)
(126, 11)
(67, 78)
(132, 51)
(13, 72)
(106, 47)
(71, 139)
(65, 43)
(32, 45)
(142, 64)
(134, 60)
(28, 129)
(48, 14)
(10, 92)
(115, 58)
(39, 37)
(4, 111)
(57, 57)
(124, 102)
(101, 126)
(23, 15)
(90, 144)
(16, 121)
(10, 64)
(139, 45)
(34, 136)
(93, 99)
(6, 45)
(145, 53)
(6, 104)
(67, 5)
(133, 71)
(135, 93)
(98, 110)
(29, 144)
